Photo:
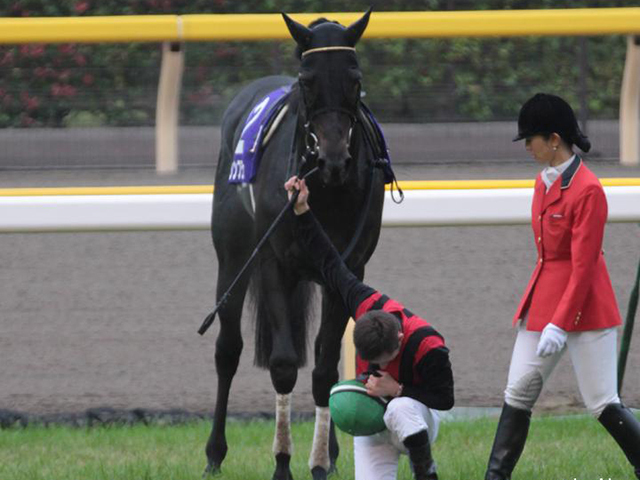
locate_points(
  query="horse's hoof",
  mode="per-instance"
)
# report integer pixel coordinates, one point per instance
(287, 476)
(210, 470)
(319, 473)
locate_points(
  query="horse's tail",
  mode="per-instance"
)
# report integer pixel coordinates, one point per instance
(301, 317)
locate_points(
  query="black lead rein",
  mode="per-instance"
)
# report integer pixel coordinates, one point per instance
(375, 163)
(363, 217)
(211, 317)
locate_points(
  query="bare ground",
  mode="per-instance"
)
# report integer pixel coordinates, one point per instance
(110, 319)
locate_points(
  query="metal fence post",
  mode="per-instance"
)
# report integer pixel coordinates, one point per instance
(628, 330)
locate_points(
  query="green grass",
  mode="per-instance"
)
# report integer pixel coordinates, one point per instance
(557, 449)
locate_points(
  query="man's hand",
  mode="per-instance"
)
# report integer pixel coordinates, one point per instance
(382, 386)
(551, 341)
(294, 183)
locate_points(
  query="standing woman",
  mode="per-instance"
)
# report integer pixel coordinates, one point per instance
(569, 303)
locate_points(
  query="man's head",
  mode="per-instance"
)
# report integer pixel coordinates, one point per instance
(377, 336)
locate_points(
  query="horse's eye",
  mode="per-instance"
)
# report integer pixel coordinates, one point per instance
(305, 78)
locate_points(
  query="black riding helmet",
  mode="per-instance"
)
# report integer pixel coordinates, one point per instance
(544, 114)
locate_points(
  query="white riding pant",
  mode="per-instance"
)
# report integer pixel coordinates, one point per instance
(593, 355)
(376, 456)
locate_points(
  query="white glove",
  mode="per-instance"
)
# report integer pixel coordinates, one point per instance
(551, 341)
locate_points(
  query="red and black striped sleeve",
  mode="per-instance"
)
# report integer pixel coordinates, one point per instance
(436, 387)
(326, 260)
(425, 369)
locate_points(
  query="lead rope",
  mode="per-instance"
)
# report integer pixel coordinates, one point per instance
(211, 317)
(361, 221)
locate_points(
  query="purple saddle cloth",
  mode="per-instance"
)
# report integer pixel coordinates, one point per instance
(246, 157)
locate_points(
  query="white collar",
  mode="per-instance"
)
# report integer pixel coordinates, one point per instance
(551, 174)
(564, 165)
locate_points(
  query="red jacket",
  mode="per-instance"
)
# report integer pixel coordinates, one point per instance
(570, 285)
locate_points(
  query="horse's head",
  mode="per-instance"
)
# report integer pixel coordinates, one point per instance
(329, 82)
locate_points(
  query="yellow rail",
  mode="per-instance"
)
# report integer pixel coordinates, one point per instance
(208, 189)
(270, 26)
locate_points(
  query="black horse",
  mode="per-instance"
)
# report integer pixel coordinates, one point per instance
(323, 124)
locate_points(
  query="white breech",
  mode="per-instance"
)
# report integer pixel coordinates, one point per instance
(593, 355)
(376, 456)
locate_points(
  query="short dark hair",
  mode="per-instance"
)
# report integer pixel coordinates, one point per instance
(376, 333)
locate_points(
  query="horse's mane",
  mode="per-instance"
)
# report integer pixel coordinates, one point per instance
(315, 23)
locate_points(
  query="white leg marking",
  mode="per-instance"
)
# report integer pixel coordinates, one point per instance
(282, 442)
(320, 450)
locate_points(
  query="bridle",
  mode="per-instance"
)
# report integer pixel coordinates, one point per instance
(311, 140)
(312, 147)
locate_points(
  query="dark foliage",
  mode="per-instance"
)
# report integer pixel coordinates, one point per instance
(458, 79)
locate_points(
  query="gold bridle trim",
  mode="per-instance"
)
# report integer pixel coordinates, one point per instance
(326, 49)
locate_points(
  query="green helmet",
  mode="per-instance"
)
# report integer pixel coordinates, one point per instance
(354, 411)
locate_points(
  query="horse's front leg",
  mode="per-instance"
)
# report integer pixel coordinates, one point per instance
(325, 449)
(277, 305)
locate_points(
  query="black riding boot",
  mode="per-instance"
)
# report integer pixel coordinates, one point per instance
(624, 427)
(508, 444)
(424, 468)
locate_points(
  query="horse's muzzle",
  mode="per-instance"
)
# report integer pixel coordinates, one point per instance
(334, 172)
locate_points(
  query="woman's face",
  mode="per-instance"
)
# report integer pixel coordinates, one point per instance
(541, 148)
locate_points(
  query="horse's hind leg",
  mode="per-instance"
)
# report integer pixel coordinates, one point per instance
(325, 449)
(228, 349)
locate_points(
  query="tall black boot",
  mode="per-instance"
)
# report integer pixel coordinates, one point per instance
(424, 468)
(511, 435)
(624, 427)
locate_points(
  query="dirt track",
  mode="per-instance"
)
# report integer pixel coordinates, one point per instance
(110, 319)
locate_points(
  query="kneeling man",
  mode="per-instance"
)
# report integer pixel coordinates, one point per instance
(399, 354)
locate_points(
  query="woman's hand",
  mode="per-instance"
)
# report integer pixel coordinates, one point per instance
(552, 340)
(294, 183)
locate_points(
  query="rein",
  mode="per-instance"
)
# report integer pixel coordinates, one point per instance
(363, 216)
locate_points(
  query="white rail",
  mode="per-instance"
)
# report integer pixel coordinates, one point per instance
(192, 211)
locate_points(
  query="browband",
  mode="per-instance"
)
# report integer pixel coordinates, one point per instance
(326, 49)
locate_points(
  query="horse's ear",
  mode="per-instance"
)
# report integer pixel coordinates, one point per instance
(355, 30)
(300, 33)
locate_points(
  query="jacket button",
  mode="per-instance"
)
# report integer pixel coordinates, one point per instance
(539, 239)
(540, 260)
(539, 217)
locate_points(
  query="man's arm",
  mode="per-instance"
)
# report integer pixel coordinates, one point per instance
(327, 261)
(436, 389)
(322, 254)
